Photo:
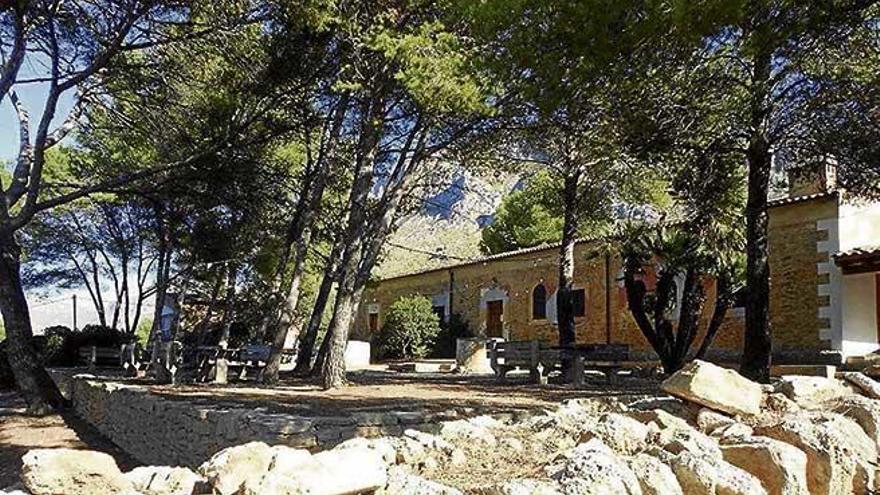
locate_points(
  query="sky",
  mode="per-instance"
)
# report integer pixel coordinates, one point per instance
(32, 97)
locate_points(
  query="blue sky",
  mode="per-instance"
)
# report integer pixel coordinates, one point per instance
(32, 97)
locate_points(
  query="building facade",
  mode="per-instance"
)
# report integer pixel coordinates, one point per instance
(825, 284)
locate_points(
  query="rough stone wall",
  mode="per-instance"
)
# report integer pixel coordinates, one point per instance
(514, 277)
(162, 431)
(800, 273)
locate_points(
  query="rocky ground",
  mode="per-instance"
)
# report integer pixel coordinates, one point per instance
(717, 433)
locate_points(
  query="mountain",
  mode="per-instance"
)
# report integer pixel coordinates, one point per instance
(447, 229)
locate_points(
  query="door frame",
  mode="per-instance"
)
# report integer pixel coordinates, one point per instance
(490, 303)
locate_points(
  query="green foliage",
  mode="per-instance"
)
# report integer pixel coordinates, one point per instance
(410, 329)
(142, 332)
(528, 217)
(456, 327)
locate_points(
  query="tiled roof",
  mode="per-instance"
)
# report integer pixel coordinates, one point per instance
(491, 257)
(798, 199)
(859, 252)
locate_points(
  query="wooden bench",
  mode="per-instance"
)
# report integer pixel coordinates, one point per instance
(92, 355)
(540, 360)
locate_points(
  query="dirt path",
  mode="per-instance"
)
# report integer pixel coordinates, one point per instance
(20, 433)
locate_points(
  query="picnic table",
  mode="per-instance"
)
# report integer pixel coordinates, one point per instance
(243, 360)
(541, 360)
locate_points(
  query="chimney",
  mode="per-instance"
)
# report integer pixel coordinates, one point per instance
(813, 178)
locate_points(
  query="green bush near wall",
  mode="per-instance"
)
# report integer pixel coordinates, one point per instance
(410, 329)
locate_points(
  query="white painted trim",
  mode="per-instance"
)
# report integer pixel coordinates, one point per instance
(833, 311)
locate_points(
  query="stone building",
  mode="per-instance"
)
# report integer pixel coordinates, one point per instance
(825, 284)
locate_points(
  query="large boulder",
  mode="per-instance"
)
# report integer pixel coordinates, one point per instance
(163, 480)
(700, 476)
(840, 455)
(332, 472)
(867, 385)
(811, 392)
(678, 440)
(594, 468)
(230, 469)
(655, 478)
(862, 410)
(715, 387)
(782, 468)
(623, 434)
(275, 484)
(659, 418)
(72, 472)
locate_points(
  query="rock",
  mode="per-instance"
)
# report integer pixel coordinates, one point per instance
(343, 471)
(513, 444)
(465, 430)
(429, 441)
(709, 420)
(862, 410)
(710, 477)
(839, 453)
(661, 418)
(780, 403)
(622, 433)
(593, 468)
(715, 387)
(230, 469)
(520, 487)
(811, 391)
(163, 480)
(679, 440)
(867, 385)
(382, 445)
(289, 460)
(782, 468)
(72, 472)
(733, 431)
(402, 482)
(275, 484)
(655, 478)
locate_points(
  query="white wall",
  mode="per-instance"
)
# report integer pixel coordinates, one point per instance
(859, 314)
(859, 225)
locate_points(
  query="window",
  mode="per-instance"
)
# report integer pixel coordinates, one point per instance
(579, 302)
(539, 302)
(374, 322)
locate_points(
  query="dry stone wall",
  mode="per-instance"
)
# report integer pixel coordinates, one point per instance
(159, 430)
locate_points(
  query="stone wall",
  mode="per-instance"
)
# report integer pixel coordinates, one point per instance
(512, 278)
(803, 289)
(158, 430)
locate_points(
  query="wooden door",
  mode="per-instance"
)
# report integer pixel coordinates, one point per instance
(494, 319)
(374, 323)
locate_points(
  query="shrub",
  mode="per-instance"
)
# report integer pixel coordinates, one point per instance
(451, 330)
(410, 329)
(61, 344)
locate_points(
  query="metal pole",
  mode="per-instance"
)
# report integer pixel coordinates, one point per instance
(74, 312)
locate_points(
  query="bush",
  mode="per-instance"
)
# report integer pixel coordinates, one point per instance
(410, 329)
(450, 331)
(61, 344)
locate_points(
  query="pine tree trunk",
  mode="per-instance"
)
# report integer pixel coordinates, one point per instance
(564, 299)
(228, 305)
(307, 344)
(757, 345)
(39, 390)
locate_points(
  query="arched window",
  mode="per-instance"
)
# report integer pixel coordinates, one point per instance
(539, 302)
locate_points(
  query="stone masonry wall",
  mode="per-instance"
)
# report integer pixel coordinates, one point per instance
(162, 431)
(512, 279)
